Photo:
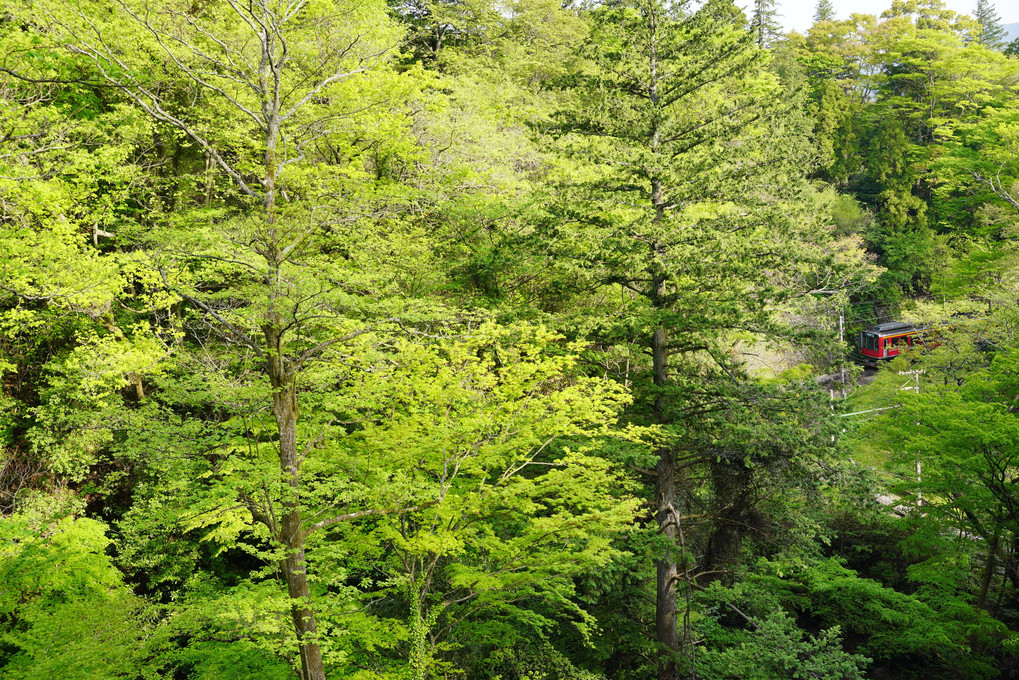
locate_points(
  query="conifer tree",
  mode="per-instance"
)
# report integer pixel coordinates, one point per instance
(764, 23)
(992, 34)
(825, 11)
(683, 113)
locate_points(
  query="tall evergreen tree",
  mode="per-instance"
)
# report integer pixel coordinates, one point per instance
(825, 11)
(764, 23)
(681, 115)
(992, 34)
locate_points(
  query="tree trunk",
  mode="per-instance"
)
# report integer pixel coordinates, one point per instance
(285, 405)
(668, 576)
(667, 514)
(294, 571)
(992, 556)
(291, 535)
(666, 603)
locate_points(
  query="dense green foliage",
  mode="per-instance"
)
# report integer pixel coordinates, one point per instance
(472, 339)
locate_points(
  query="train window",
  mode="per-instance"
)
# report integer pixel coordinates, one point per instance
(870, 341)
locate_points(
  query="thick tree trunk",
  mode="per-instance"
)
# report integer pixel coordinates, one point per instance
(291, 535)
(294, 571)
(667, 596)
(667, 513)
(668, 576)
(668, 573)
(284, 401)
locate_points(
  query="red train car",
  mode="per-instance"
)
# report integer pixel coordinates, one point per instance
(887, 340)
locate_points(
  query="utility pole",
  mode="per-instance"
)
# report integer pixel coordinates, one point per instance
(914, 384)
(842, 342)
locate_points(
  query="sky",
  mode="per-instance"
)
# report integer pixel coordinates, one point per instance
(799, 14)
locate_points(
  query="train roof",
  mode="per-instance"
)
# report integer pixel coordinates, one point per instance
(893, 328)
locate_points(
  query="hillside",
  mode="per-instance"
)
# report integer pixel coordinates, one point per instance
(478, 340)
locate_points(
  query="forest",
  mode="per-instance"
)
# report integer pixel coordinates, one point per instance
(510, 339)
